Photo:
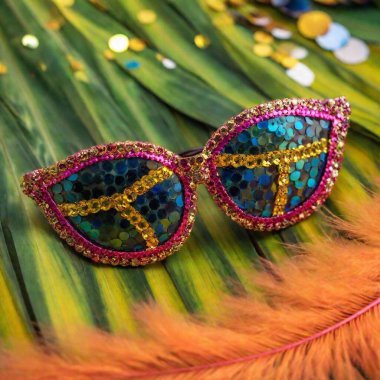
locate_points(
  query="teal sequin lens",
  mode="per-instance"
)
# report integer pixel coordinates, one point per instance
(161, 206)
(254, 190)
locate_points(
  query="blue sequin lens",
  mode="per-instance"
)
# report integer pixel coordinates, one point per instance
(276, 165)
(127, 204)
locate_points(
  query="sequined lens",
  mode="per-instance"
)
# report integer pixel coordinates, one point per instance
(127, 204)
(276, 165)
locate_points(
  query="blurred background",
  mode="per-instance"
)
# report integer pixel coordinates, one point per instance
(75, 73)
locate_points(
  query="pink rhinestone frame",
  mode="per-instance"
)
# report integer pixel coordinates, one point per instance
(335, 110)
(192, 171)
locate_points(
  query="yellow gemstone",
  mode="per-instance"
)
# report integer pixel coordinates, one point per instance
(262, 37)
(313, 24)
(95, 206)
(142, 225)
(137, 44)
(130, 197)
(118, 43)
(147, 16)
(262, 50)
(139, 188)
(134, 219)
(105, 203)
(201, 41)
(250, 162)
(216, 5)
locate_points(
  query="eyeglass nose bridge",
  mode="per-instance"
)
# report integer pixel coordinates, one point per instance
(194, 166)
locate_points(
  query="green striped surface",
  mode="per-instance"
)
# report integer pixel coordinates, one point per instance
(47, 113)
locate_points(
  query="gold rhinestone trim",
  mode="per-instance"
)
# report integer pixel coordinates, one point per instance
(121, 202)
(280, 158)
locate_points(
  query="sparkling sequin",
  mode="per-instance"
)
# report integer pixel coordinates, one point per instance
(254, 190)
(161, 206)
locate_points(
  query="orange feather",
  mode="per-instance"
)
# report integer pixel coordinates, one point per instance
(318, 317)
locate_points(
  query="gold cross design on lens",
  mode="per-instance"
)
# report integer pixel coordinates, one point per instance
(121, 202)
(282, 159)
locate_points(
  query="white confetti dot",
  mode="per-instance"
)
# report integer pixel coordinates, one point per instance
(301, 74)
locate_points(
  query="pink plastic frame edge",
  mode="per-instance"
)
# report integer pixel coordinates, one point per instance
(336, 110)
(36, 184)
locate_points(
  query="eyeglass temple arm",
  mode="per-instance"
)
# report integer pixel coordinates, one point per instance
(191, 152)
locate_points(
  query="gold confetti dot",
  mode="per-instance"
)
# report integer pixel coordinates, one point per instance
(30, 41)
(216, 5)
(222, 20)
(288, 62)
(118, 43)
(54, 24)
(201, 41)
(262, 50)
(328, 2)
(237, 3)
(81, 76)
(147, 16)
(286, 47)
(159, 56)
(65, 3)
(137, 44)
(98, 4)
(262, 37)
(3, 69)
(108, 54)
(75, 64)
(42, 66)
(313, 24)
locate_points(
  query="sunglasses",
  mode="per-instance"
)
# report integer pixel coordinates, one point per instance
(134, 203)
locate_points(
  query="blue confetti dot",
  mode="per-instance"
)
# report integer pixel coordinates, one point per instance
(132, 64)
(299, 185)
(311, 182)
